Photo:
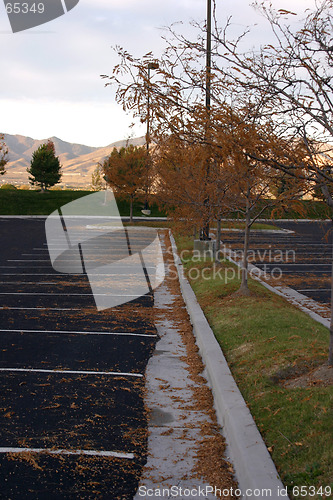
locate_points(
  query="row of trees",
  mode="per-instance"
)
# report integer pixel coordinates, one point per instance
(176, 171)
(268, 133)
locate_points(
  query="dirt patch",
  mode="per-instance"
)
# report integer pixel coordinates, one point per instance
(243, 292)
(309, 373)
(321, 376)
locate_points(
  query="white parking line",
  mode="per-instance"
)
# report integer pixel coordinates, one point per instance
(28, 260)
(61, 275)
(20, 267)
(70, 294)
(40, 308)
(37, 284)
(34, 254)
(130, 334)
(65, 274)
(322, 273)
(296, 244)
(309, 243)
(41, 274)
(57, 294)
(304, 273)
(72, 372)
(291, 264)
(95, 453)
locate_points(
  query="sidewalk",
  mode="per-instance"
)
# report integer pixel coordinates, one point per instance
(186, 450)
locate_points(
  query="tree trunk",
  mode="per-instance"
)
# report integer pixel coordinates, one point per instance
(218, 240)
(131, 209)
(244, 288)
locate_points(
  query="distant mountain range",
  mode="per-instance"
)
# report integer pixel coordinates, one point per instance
(78, 161)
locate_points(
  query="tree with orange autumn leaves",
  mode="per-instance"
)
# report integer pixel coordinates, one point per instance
(125, 170)
(206, 164)
(236, 180)
(270, 120)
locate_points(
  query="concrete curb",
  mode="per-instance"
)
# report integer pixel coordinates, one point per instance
(295, 298)
(255, 470)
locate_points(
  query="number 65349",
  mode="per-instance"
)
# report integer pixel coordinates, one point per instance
(25, 8)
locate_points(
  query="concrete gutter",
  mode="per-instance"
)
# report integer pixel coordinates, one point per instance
(255, 470)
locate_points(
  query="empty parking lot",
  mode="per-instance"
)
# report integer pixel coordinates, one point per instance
(73, 422)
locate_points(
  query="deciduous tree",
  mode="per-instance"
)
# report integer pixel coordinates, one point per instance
(125, 170)
(97, 179)
(254, 185)
(292, 77)
(3, 155)
(289, 83)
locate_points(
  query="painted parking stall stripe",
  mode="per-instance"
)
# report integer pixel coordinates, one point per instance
(91, 453)
(72, 372)
(71, 332)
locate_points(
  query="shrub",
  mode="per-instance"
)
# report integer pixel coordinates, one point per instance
(8, 187)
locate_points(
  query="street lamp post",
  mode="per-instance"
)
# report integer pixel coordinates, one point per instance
(205, 229)
(208, 54)
(152, 65)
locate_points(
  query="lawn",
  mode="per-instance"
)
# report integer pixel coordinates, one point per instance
(29, 202)
(239, 225)
(268, 343)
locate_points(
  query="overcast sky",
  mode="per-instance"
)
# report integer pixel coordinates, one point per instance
(50, 75)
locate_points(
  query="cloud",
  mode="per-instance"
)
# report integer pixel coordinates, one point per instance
(57, 66)
(87, 122)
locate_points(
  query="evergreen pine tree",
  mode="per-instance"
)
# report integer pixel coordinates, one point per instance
(45, 168)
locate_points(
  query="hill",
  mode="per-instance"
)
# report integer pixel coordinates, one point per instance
(78, 161)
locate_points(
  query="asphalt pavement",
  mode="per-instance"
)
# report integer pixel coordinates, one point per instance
(72, 416)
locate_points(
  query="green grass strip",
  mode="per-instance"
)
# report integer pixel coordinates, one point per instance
(29, 202)
(266, 340)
